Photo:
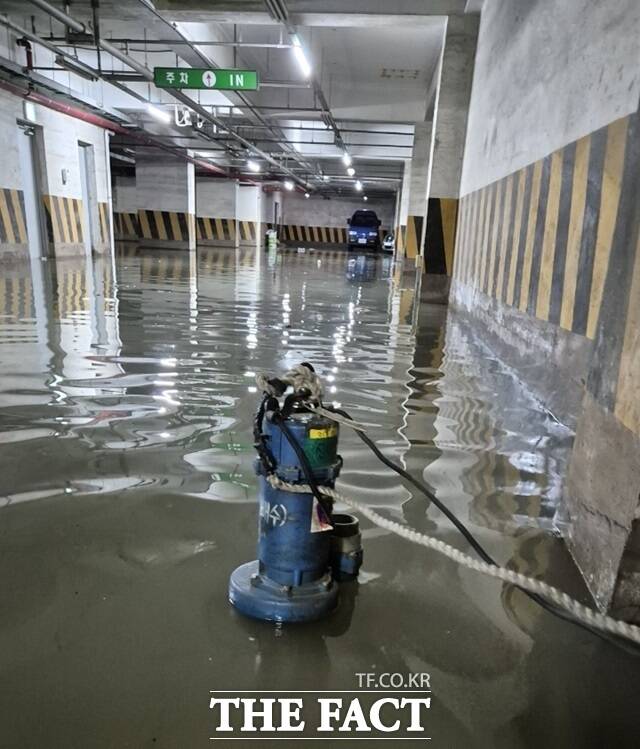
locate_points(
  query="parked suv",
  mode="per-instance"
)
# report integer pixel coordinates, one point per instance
(363, 230)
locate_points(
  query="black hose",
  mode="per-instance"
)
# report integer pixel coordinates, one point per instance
(324, 502)
(475, 544)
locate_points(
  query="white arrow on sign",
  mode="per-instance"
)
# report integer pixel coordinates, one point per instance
(209, 78)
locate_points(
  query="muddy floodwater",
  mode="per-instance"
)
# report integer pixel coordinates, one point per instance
(127, 496)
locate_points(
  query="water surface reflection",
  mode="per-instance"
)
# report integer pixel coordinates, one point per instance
(127, 495)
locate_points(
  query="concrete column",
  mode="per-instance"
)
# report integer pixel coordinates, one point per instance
(126, 227)
(403, 208)
(216, 211)
(248, 212)
(165, 193)
(418, 189)
(453, 95)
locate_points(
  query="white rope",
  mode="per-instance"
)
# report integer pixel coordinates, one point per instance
(576, 609)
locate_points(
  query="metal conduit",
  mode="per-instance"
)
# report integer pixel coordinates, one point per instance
(76, 25)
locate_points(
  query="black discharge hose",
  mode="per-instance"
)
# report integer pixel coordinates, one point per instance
(473, 542)
(324, 502)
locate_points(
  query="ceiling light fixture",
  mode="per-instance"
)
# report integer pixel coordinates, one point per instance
(288, 184)
(159, 114)
(325, 177)
(358, 185)
(300, 56)
(307, 195)
(365, 198)
(351, 171)
(346, 158)
(253, 166)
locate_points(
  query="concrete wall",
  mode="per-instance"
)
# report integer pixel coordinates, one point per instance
(546, 73)
(316, 211)
(216, 197)
(165, 193)
(57, 147)
(547, 262)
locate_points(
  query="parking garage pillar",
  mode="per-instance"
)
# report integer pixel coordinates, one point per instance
(418, 179)
(402, 209)
(165, 192)
(451, 111)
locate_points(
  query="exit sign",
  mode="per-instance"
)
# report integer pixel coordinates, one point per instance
(203, 78)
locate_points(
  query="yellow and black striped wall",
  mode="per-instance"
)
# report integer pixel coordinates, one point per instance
(318, 234)
(227, 230)
(165, 226)
(557, 241)
(13, 222)
(64, 225)
(173, 227)
(126, 226)
(63, 217)
(438, 247)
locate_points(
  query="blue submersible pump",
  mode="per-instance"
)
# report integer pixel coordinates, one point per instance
(304, 548)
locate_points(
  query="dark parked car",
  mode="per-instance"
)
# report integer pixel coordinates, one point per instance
(363, 230)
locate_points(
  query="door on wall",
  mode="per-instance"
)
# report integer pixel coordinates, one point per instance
(90, 231)
(31, 190)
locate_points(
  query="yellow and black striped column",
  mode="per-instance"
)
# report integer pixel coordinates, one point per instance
(440, 236)
(166, 228)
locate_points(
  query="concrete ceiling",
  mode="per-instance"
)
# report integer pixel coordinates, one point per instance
(376, 70)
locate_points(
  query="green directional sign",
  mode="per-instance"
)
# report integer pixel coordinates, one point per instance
(203, 78)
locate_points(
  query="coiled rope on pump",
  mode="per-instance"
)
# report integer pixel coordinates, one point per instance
(564, 600)
(301, 377)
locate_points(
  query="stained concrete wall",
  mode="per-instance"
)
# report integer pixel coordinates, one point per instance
(546, 73)
(57, 142)
(216, 197)
(547, 260)
(317, 211)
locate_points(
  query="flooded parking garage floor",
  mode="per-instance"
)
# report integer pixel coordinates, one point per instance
(127, 496)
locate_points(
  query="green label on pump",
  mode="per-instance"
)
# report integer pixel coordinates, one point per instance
(321, 446)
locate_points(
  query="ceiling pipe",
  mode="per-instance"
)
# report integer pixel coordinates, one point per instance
(76, 25)
(9, 24)
(246, 103)
(95, 119)
(172, 42)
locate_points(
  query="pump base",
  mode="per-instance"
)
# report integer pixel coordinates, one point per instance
(260, 598)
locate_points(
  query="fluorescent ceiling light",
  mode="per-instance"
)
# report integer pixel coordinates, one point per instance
(298, 53)
(158, 114)
(346, 158)
(365, 198)
(325, 177)
(351, 171)
(358, 185)
(288, 184)
(253, 166)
